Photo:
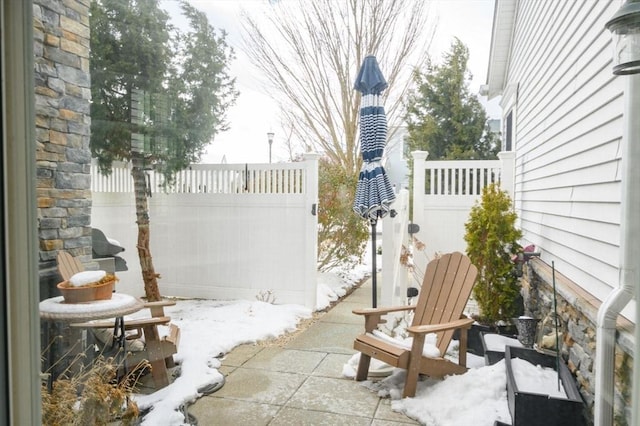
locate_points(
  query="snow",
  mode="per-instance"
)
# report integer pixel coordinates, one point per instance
(210, 329)
(497, 342)
(86, 277)
(537, 379)
(56, 306)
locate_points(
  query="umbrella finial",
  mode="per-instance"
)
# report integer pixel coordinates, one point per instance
(370, 79)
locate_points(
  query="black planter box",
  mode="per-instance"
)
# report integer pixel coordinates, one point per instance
(491, 354)
(531, 409)
(474, 338)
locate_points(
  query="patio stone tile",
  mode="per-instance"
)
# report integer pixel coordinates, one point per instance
(216, 411)
(285, 360)
(327, 337)
(384, 413)
(293, 416)
(339, 396)
(378, 422)
(331, 366)
(341, 314)
(268, 387)
(225, 370)
(362, 295)
(240, 354)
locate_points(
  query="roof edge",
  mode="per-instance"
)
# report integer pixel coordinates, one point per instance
(501, 40)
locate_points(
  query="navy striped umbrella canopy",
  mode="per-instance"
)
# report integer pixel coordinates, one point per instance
(374, 193)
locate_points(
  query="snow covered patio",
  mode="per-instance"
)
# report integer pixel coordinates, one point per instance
(300, 378)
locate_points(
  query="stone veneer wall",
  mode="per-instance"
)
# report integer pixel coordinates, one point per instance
(63, 122)
(577, 325)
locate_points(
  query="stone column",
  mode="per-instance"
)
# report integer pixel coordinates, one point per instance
(63, 122)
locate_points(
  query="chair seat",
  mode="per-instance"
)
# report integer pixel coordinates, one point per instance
(381, 350)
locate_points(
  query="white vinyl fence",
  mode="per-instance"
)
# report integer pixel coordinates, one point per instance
(443, 194)
(222, 231)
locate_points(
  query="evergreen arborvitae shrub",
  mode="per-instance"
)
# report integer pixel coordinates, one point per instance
(492, 240)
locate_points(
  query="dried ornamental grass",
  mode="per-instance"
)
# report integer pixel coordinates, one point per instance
(93, 396)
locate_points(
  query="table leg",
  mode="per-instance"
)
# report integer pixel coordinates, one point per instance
(120, 338)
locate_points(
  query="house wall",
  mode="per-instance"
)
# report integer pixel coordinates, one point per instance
(567, 111)
(567, 138)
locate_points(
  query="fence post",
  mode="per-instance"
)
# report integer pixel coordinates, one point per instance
(419, 157)
(311, 230)
(394, 236)
(507, 181)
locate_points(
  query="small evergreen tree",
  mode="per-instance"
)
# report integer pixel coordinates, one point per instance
(159, 97)
(444, 117)
(492, 240)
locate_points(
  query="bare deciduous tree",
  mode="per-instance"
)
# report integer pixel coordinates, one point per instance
(309, 52)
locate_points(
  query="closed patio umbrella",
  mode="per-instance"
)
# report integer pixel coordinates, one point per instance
(374, 193)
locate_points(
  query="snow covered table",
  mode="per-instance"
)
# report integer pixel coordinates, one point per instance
(56, 310)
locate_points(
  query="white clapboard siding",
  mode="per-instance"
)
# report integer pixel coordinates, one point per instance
(568, 137)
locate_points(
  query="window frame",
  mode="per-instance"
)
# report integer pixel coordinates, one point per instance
(19, 322)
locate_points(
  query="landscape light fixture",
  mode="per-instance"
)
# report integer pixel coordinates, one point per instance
(625, 29)
(270, 136)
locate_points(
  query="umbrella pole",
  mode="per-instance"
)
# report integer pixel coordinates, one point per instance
(374, 272)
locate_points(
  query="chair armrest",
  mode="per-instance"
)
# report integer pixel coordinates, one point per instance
(382, 311)
(143, 322)
(373, 316)
(128, 325)
(160, 303)
(425, 329)
(157, 308)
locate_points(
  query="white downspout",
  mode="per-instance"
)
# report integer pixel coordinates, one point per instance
(629, 261)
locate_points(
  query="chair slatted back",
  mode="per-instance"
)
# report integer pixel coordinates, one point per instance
(68, 265)
(445, 290)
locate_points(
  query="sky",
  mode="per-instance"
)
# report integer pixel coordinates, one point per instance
(255, 114)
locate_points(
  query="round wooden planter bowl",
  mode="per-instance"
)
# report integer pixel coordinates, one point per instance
(86, 293)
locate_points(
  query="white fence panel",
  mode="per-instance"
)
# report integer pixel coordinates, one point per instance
(443, 194)
(223, 231)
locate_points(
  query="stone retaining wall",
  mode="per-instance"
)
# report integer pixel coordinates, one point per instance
(62, 99)
(577, 313)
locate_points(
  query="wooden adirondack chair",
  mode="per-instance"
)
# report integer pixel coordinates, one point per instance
(444, 293)
(157, 350)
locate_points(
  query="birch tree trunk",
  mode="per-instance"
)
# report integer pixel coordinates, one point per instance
(149, 275)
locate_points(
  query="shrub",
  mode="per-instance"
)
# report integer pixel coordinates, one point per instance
(492, 240)
(342, 234)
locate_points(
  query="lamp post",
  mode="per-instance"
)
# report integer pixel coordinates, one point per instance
(625, 29)
(270, 136)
